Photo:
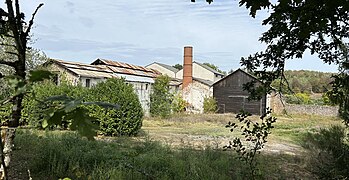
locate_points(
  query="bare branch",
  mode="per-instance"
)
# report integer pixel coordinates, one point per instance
(8, 35)
(12, 64)
(13, 53)
(31, 22)
(9, 45)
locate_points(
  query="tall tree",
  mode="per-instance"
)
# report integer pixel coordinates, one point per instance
(161, 98)
(14, 27)
(296, 26)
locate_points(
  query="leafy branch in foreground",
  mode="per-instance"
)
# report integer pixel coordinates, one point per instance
(255, 134)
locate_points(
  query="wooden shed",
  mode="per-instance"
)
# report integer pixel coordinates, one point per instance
(231, 98)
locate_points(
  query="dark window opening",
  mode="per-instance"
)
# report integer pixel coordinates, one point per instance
(146, 86)
(88, 83)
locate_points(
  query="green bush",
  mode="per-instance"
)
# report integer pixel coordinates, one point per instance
(210, 105)
(178, 103)
(298, 98)
(127, 120)
(328, 153)
(33, 106)
(161, 98)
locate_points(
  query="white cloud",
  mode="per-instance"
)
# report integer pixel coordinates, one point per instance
(143, 31)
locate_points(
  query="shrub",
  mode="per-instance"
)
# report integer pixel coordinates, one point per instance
(299, 98)
(161, 98)
(127, 120)
(178, 104)
(210, 105)
(33, 108)
(329, 153)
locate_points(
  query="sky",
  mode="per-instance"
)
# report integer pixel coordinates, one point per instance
(144, 31)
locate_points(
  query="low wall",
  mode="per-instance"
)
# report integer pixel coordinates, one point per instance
(311, 109)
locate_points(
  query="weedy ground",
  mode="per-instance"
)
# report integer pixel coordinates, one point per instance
(180, 147)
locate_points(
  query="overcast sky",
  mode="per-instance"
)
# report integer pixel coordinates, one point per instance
(144, 31)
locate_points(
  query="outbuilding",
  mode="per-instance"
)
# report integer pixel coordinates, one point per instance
(232, 98)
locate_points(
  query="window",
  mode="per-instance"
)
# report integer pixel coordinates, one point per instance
(146, 86)
(88, 83)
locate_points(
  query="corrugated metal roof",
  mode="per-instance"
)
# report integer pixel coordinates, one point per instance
(125, 68)
(93, 74)
(203, 81)
(132, 78)
(86, 70)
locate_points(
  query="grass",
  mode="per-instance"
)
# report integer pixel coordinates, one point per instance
(181, 147)
(63, 154)
(288, 129)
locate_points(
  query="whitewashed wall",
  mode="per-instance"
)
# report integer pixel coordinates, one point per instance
(194, 94)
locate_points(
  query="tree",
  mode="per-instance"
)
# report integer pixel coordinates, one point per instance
(15, 35)
(296, 26)
(161, 98)
(214, 67)
(178, 66)
(34, 58)
(14, 26)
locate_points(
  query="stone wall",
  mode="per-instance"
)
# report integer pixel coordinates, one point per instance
(279, 106)
(311, 109)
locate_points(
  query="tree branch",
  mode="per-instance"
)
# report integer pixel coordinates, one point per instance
(31, 22)
(18, 16)
(12, 64)
(13, 53)
(8, 35)
(9, 45)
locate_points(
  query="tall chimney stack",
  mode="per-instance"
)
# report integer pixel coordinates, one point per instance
(187, 66)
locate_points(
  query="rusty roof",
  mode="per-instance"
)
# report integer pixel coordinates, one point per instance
(86, 70)
(125, 68)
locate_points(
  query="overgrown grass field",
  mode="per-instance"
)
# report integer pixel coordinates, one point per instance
(180, 147)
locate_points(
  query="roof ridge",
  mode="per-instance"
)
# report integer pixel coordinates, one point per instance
(208, 68)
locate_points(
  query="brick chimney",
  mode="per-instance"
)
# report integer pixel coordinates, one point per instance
(187, 66)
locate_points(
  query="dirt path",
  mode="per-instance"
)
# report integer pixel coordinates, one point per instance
(217, 142)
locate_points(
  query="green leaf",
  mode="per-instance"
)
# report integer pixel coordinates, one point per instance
(71, 105)
(82, 123)
(44, 124)
(39, 75)
(103, 104)
(55, 118)
(63, 98)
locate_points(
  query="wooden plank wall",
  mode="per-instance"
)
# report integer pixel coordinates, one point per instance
(231, 98)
